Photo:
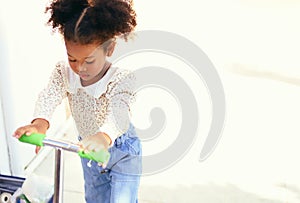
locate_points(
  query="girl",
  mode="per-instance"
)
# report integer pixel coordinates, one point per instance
(99, 94)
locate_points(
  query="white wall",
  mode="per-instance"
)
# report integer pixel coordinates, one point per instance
(4, 166)
(9, 151)
(30, 55)
(4, 161)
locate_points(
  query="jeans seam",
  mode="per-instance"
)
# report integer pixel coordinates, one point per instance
(132, 147)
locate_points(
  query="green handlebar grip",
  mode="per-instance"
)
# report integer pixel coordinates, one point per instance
(101, 156)
(34, 138)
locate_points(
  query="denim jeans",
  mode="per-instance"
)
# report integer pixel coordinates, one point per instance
(119, 181)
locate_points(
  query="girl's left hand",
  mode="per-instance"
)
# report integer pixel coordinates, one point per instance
(95, 142)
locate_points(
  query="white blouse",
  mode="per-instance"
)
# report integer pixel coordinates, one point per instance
(101, 107)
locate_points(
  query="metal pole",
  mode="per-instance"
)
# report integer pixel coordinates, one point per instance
(58, 176)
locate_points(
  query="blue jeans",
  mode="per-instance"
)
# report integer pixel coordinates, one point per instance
(119, 181)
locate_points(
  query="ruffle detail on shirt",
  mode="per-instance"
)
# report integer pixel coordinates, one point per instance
(73, 83)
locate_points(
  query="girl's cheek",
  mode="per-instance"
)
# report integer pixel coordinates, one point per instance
(74, 68)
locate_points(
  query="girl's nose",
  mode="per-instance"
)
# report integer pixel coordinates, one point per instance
(81, 67)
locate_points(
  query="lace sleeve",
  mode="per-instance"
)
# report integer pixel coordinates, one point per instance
(51, 96)
(119, 94)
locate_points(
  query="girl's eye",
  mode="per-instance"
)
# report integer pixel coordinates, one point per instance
(72, 60)
(90, 62)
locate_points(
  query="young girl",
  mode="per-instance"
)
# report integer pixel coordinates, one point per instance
(99, 94)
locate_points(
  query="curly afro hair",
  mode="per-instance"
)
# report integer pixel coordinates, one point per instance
(96, 21)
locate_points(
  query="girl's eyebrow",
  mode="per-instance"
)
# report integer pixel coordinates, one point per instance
(85, 57)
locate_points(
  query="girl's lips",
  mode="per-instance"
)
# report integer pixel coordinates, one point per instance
(83, 75)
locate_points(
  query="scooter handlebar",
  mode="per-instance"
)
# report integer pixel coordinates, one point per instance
(37, 139)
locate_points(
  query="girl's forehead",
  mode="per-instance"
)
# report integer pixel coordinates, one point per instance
(80, 51)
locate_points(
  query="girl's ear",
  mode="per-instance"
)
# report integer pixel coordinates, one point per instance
(110, 49)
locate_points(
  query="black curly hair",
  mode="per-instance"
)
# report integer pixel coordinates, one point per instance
(92, 21)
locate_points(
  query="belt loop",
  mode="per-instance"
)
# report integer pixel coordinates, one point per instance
(118, 141)
(121, 139)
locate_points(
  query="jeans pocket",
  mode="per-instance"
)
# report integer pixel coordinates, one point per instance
(132, 146)
(126, 157)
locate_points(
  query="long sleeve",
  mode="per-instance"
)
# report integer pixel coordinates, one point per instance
(51, 96)
(119, 95)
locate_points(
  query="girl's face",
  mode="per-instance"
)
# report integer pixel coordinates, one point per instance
(88, 61)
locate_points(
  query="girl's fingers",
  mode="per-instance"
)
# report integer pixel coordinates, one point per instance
(103, 165)
(85, 145)
(37, 149)
(19, 133)
(96, 147)
(89, 146)
(25, 130)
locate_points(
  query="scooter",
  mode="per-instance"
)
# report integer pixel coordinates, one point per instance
(60, 145)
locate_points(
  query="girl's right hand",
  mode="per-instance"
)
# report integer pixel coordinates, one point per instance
(25, 130)
(37, 126)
